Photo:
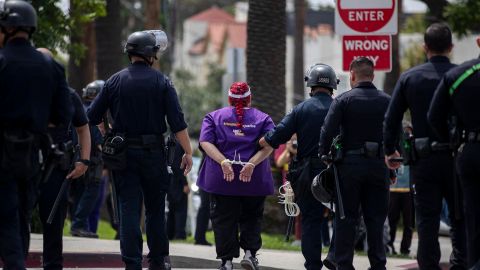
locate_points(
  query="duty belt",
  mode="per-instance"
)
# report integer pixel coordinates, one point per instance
(473, 137)
(360, 152)
(145, 141)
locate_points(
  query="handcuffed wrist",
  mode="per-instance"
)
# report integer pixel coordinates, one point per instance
(225, 161)
(250, 163)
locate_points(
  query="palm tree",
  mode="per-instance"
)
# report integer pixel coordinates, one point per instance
(109, 41)
(298, 68)
(266, 49)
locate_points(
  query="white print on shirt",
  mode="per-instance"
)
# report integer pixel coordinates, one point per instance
(238, 132)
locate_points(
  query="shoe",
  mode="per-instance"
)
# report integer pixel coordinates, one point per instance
(83, 233)
(203, 243)
(250, 263)
(226, 265)
(329, 263)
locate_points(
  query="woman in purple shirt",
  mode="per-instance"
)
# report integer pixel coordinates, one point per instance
(237, 175)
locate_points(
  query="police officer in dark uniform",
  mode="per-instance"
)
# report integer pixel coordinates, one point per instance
(358, 116)
(458, 94)
(306, 120)
(432, 173)
(33, 93)
(85, 192)
(139, 99)
(62, 136)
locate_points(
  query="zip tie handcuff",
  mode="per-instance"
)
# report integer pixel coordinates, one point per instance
(287, 198)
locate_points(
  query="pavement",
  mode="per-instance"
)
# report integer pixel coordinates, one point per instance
(84, 253)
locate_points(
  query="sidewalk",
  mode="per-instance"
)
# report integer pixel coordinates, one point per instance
(94, 253)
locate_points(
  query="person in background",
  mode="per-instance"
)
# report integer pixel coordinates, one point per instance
(236, 175)
(203, 215)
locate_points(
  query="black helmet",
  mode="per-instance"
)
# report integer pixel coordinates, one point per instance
(323, 186)
(17, 13)
(141, 44)
(321, 75)
(92, 89)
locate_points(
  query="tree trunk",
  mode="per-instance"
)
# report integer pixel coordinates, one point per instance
(83, 71)
(109, 41)
(298, 67)
(152, 19)
(266, 49)
(391, 77)
(435, 10)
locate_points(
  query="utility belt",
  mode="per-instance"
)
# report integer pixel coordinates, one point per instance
(22, 151)
(300, 173)
(146, 142)
(424, 147)
(369, 150)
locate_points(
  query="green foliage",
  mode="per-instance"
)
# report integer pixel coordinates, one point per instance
(463, 16)
(198, 101)
(54, 26)
(414, 55)
(415, 23)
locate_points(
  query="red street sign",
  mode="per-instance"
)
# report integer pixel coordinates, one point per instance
(376, 48)
(355, 17)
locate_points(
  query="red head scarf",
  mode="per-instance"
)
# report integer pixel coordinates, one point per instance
(239, 96)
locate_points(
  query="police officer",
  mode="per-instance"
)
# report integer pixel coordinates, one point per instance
(358, 115)
(33, 94)
(85, 192)
(306, 120)
(139, 98)
(432, 173)
(458, 93)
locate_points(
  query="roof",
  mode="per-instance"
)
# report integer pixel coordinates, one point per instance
(213, 15)
(237, 35)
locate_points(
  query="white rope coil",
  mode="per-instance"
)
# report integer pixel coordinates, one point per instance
(287, 198)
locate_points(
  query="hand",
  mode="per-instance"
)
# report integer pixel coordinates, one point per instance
(186, 189)
(186, 163)
(246, 172)
(79, 170)
(393, 181)
(392, 165)
(227, 171)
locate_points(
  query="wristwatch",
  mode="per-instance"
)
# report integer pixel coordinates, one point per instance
(85, 162)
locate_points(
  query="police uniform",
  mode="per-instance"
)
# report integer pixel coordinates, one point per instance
(33, 93)
(306, 120)
(432, 173)
(462, 98)
(139, 99)
(52, 233)
(358, 115)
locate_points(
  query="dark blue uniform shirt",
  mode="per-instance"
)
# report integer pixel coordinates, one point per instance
(358, 114)
(62, 133)
(414, 90)
(306, 119)
(33, 89)
(95, 134)
(464, 102)
(139, 98)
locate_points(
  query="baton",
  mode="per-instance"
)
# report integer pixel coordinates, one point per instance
(61, 193)
(113, 198)
(291, 221)
(341, 211)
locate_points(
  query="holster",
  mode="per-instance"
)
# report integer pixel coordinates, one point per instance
(16, 153)
(114, 152)
(94, 172)
(422, 147)
(66, 161)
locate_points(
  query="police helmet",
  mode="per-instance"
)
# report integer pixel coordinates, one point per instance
(141, 44)
(19, 14)
(92, 89)
(321, 75)
(323, 186)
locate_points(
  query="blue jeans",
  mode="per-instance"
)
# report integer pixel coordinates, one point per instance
(85, 193)
(145, 177)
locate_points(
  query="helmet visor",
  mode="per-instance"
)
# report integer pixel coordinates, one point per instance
(161, 40)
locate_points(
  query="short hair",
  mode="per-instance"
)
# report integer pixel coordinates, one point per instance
(438, 37)
(362, 66)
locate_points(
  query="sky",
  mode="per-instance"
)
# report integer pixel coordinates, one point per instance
(409, 6)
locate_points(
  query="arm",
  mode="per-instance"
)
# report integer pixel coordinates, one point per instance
(393, 118)
(99, 106)
(281, 133)
(212, 151)
(330, 127)
(439, 111)
(84, 140)
(184, 140)
(61, 109)
(247, 171)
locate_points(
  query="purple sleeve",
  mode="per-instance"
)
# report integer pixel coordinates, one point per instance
(268, 125)
(207, 134)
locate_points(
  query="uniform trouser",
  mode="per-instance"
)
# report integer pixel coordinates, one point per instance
(85, 192)
(468, 166)
(94, 217)
(203, 216)
(401, 203)
(144, 177)
(52, 233)
(177, 216)
(364, 183)
(231, 213)
(312, 217)
(433, 181)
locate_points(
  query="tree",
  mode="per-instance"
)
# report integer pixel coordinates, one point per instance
(463, 16)
(109, 41)
(266, 49)
(436, 10)
(392, 76)
(298, 68)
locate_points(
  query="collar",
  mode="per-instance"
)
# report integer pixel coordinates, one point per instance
(18, 41)
(140, 63)
(321, 94)
(365, 84)
(439, 59)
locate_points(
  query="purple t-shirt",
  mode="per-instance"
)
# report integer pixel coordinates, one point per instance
(219, 128)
